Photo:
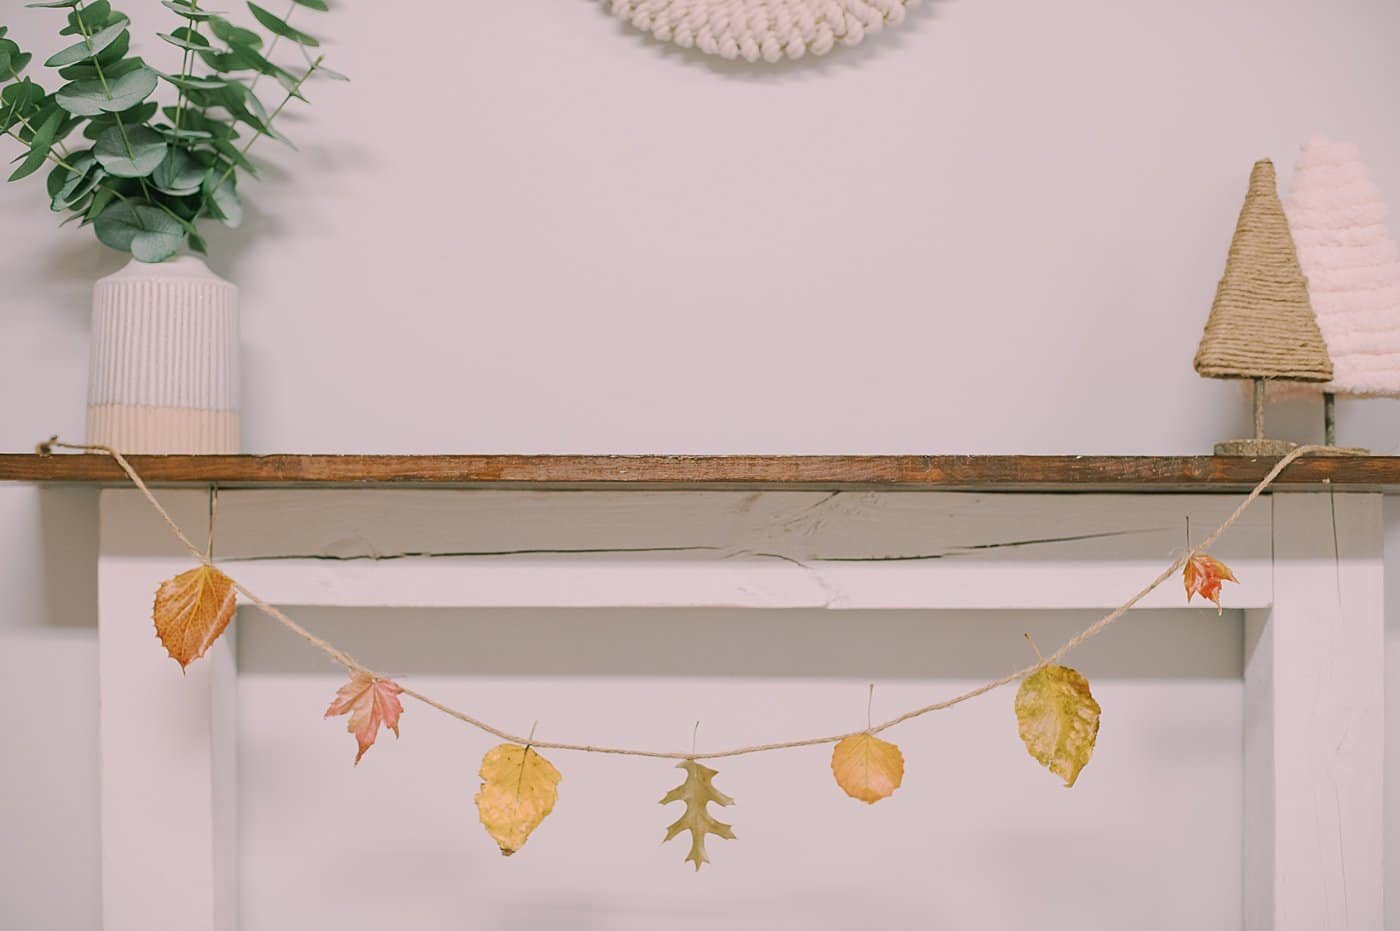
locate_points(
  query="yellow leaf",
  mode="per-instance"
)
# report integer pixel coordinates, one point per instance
(1059, 720)
(867, 767)
(191, 610)
(518, 790)
(697, 792)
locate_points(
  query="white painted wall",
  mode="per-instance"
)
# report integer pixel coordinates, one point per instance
(523, 228)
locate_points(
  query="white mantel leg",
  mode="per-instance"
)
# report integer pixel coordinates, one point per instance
(1314, 739)
(169, 827)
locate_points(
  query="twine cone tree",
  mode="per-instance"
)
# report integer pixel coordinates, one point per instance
(1262, 326)
(1353, 272)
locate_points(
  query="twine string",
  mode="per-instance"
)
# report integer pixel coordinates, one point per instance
(352, 665)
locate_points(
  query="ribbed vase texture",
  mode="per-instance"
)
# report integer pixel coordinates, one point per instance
(164, 371)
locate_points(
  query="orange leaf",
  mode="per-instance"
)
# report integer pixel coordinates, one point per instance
(866, 767)
(1203, 576)
(370, 702)
(191, 610)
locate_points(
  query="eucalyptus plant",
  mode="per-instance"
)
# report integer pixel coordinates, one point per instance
(144, 173)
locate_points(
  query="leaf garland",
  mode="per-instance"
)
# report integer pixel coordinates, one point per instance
(518, 791)
(697, 792)
(164, 166)
(192, 610)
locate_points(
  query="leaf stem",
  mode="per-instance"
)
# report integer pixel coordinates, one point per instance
(185, 73)
(1031, 641)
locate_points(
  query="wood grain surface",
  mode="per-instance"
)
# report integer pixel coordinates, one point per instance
(907, 473)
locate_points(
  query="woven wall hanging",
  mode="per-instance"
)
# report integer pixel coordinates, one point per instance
(761, 30)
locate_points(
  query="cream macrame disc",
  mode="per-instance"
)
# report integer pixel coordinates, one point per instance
(760, 29)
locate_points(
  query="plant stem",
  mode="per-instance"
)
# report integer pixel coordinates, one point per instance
(204, 203)
(193, 30)
(106, 89)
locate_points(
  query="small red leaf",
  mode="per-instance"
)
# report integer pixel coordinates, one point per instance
(370, 702)
(1203, 576)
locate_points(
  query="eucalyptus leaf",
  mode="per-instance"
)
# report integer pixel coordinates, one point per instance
(331, 73)
(88, 48)
(223, 200)
(84, 186)
(39, 147)
(110, 65)
(100, 199)
(279, 27)
(148, 233)
(194, 42)
(71, 182)
(234, 156)
(230, 34)
(97, 125)
(184, 135)
(52, 4)
(89, 19)
(89, 98)
(130, 152)
(191, 13)
(179, 174)
(313, 4)
(197, 244)
(193, 84)
(19, 100)
(13, 60)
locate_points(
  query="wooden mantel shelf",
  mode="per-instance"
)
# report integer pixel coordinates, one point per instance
(892, 473)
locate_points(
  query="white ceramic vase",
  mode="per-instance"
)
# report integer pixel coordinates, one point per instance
(164, 370)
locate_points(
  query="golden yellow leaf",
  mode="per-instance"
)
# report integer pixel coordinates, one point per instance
(1059, 720)
(191, 610)
(697, 791)
(518, 790)
(867, 767)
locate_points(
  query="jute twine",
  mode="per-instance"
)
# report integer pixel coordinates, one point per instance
(1262, 324)
(350, 664)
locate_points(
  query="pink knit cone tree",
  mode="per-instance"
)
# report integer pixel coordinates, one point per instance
(1353, 269)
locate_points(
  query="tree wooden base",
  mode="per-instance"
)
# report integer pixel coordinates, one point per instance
(1256, 448)
(1265, 449)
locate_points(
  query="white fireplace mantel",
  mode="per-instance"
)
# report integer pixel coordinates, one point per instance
(1313, 671)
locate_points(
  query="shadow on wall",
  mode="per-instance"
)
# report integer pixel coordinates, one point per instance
(68, 529)
(49, 575)
(1156, 644)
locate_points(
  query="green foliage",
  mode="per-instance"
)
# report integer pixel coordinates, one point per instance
(141, 155)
